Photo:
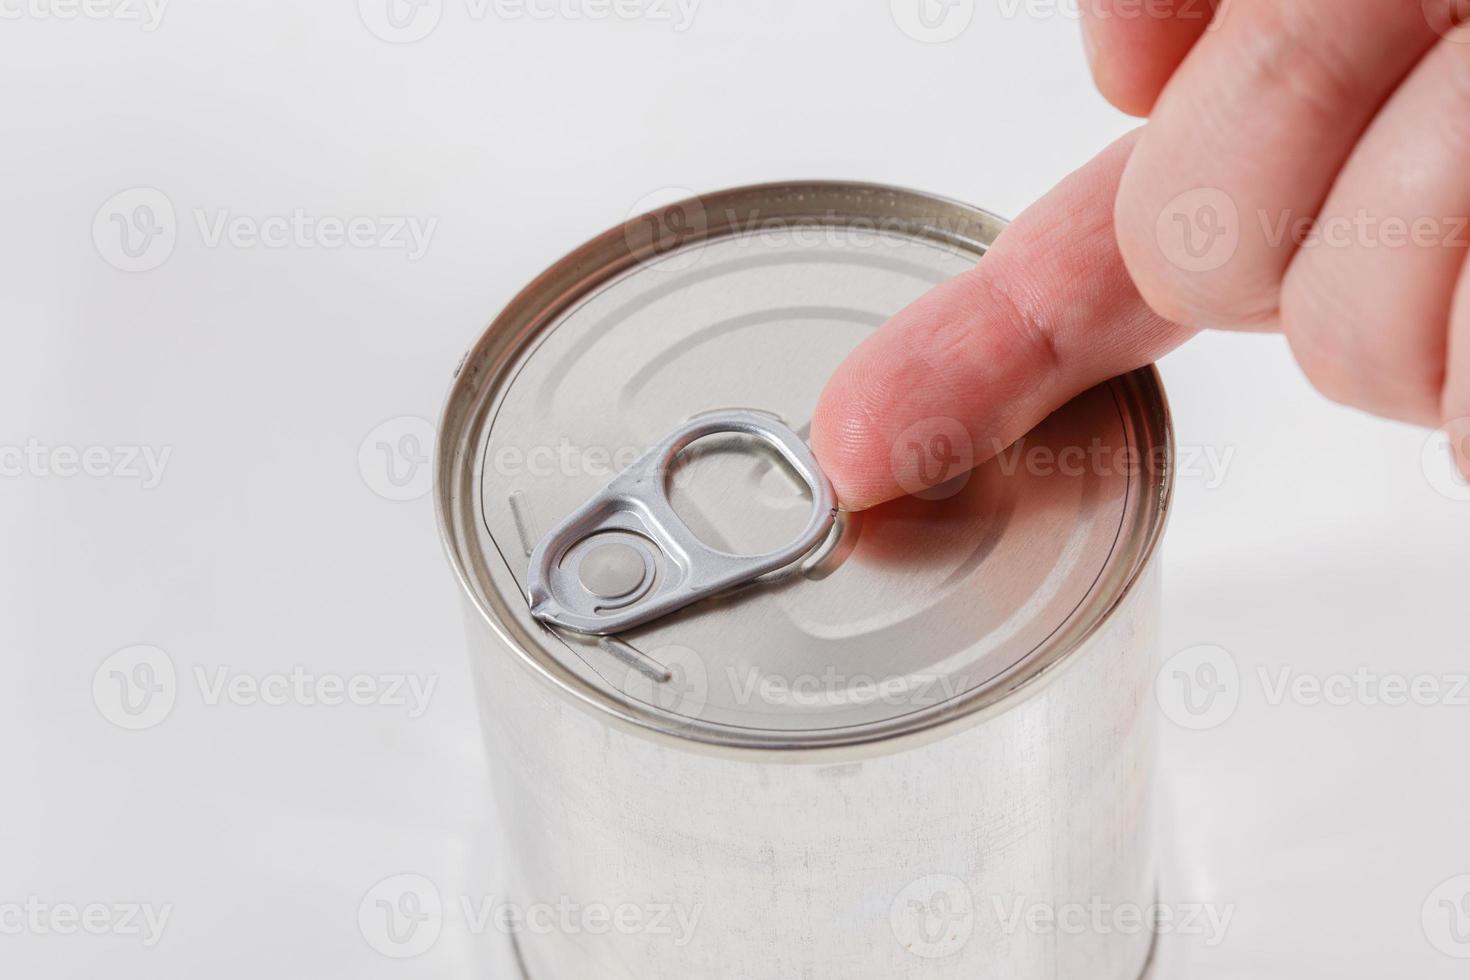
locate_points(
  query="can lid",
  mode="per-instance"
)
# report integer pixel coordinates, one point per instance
(911, 613)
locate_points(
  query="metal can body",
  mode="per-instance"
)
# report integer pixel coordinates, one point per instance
(945, 858)
(729, 792)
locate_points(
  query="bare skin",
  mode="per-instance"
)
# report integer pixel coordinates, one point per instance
(1302, 171)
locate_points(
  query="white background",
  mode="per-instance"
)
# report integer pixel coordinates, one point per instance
(267, 546)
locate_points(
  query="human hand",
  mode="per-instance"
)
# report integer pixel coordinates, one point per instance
(1301, 171)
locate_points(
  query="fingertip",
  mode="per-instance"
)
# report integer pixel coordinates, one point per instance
(850, 432)
(1124, 89)
(1126, 94)
(1133, 53)
(840, 442)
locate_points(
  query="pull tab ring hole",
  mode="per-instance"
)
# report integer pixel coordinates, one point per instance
(737, 494)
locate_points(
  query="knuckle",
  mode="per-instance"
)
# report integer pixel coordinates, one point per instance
(1287, 53)
(1027, 328)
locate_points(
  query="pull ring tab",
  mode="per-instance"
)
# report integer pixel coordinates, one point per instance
(625, 557)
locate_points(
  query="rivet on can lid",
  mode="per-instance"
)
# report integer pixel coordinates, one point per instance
(611, 571)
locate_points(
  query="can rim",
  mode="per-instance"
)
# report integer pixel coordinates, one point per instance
(635, 242)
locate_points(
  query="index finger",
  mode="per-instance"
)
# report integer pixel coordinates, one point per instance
(1048, 313)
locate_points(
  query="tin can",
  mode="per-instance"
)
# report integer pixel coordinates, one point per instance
(915, 753)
